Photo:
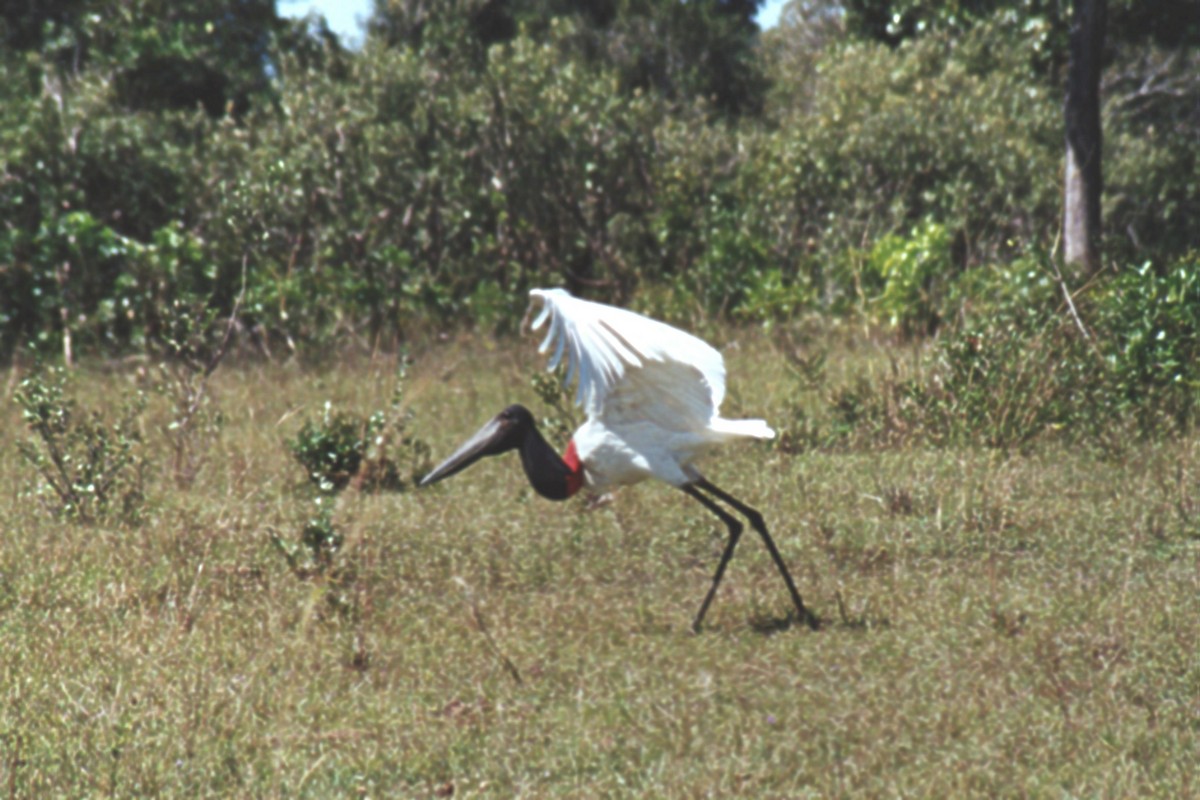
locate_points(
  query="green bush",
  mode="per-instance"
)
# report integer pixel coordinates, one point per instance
(1016, 364)
(189, 342)
(90, 469)
(375, 453)
(1004, 386)
(333, 449)
(76, 264)
(410, 191)
(85, 187)
(909, 277)
(1151, 324)
(319, 543)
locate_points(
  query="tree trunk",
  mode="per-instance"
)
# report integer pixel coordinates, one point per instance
(1081, 207)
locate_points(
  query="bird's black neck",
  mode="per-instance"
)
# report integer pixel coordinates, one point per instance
(547, 472)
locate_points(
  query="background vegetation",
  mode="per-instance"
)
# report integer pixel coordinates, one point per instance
(985, 477)
(663, 154)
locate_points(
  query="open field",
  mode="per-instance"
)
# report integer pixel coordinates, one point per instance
(996, 625)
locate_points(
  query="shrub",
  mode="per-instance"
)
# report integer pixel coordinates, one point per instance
(332, 449)
(1008, 368)
(909, 277)
(1006, 385)
(319, 543)
(1151, 324)
(414, 190)
(374, 453)
(1016, 364)
(190, 343)
(427, 182)
(91, 469)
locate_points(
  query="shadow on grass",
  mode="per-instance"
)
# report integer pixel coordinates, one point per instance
(771, 625)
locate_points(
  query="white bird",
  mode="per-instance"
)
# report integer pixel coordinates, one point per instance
(652, 394)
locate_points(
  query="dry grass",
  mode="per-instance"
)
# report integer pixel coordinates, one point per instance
(997, 626)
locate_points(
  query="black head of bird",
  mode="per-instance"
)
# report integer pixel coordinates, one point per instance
(515, 429)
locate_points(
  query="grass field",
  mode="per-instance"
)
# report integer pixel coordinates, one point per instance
(1023, 625)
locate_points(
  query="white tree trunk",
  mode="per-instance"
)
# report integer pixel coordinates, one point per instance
(1084, 178)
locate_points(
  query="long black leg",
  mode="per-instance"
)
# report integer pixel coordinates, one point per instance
(756, 522)
(735, 533)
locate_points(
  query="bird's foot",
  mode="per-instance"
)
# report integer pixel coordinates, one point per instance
(595, 501)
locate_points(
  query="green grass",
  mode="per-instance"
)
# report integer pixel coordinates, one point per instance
(1022, 625)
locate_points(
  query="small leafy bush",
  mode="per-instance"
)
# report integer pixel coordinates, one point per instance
(190, 344)
(320, 555)
(341, 449)
(319, 544)
(374, 453)
(91, 469)
(332, 449)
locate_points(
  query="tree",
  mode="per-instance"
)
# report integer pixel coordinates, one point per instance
(679, 50)
(212, 53)
(894, 21)
(1084, 176)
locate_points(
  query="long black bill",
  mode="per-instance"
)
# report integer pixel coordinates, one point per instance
(488, 440)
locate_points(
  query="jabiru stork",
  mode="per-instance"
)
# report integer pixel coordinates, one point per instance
(652, 394)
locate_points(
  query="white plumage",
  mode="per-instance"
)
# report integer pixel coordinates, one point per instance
(652, 393)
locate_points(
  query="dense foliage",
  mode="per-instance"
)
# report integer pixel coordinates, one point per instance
(662, 154)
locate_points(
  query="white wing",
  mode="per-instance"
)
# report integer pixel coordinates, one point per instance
(631, 366)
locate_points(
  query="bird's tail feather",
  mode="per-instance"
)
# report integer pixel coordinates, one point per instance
(753, 428)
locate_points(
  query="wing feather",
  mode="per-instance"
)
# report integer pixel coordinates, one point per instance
(630, 366)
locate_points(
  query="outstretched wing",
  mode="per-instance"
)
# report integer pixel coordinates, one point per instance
(631, 366)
